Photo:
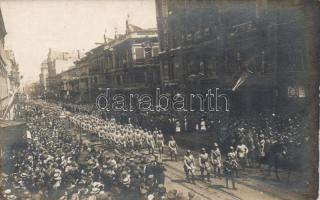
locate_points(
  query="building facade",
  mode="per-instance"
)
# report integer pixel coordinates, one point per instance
(248, 49)
(9, 76)
(4, 85)
(56, 63)
(129, 62)
(44, 76)
(13, 71)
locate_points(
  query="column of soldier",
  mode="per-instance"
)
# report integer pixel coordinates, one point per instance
(54, 165)
(248, 145)
(126, 138)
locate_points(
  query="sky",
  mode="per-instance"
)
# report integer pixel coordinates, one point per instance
(34, 26)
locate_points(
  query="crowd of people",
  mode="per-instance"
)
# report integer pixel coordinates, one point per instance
(260, 136)
(58, 163)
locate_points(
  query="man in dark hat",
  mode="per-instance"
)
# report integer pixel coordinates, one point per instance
(158, 171)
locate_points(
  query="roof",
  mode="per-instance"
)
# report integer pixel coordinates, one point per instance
(133, 28)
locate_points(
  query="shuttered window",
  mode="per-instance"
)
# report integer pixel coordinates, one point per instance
(139, 53)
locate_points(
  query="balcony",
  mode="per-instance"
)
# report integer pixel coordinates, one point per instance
(147, 61)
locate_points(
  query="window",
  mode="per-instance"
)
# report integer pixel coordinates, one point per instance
(155, 51)
(292, 92)
(211, 67)
(118, 80)
(148, 52)
(165, 72)
(296, 92)
(139, 53)
(302, 93)
(140, 77)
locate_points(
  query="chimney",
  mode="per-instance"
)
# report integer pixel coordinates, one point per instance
(127, 24)
(104, 36)
(115, 33)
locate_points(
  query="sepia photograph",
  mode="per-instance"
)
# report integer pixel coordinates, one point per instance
(159, 99)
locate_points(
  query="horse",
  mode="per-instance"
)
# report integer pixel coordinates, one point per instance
(281, 155)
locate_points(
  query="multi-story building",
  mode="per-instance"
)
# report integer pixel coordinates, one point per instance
(133, 60)
(249, 49)
(9, 76)
(127, 62)
(56, 63)
(3, 70)
(44, 76)
(4, 82)
(13, 71)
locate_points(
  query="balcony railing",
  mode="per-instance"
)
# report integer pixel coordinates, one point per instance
(147, 61)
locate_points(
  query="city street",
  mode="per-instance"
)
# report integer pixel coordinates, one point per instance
(159, 100)
(252, 185)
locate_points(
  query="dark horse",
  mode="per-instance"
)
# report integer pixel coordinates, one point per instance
(281, 155)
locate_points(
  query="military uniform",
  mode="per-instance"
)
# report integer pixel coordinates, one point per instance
(189, 165)
(204, 164)
(216, 160)
(160, 142)
(173, 148)
(229, 168)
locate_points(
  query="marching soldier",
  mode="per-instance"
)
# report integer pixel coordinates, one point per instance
(229, 168)
(137, 140)
(189, 166)
(173, 148)
(204, 164)
(150, 143)
(232, 152)
(122, 141)
(216, 160)
(233, 155)
(160, 142)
